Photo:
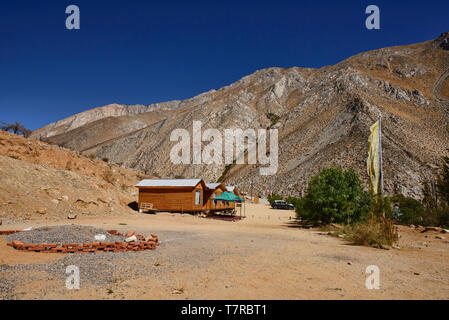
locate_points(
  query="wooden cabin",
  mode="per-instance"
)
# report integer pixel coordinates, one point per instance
(214, 190)
(173, 195)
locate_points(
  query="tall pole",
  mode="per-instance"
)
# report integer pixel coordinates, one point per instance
(252, 189)
(380, 158)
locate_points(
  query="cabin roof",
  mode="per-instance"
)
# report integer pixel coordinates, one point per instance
(168, 183)
(212, 185)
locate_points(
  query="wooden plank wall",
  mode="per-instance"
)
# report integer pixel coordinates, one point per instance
(171, 198)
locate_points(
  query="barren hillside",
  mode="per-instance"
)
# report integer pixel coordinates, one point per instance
(41, 181)
(323, 116)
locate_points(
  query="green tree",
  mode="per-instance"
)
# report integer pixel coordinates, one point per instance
(411, 210)
(293, 200)
(334, 195)
(272, 197)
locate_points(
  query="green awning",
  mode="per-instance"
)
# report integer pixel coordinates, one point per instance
(228, 196)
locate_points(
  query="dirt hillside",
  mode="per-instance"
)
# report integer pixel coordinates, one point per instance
(42, 181)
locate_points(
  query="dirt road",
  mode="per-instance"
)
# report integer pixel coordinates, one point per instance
(261, 257)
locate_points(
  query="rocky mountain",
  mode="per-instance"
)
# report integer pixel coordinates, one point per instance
(323, 117)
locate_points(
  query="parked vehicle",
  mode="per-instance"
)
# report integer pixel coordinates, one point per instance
(280, 204)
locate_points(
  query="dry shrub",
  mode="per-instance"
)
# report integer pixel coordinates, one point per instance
(123, 186)
(375, 232)
(108, 176)
(69, 165)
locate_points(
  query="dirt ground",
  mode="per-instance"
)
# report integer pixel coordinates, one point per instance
(260, 257)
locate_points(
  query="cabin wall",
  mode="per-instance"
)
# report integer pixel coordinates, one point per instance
(175, 199)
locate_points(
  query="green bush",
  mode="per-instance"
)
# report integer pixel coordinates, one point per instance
(272, 197)
(294, 201)
(382, 207)
(410, 211)
(334, 196)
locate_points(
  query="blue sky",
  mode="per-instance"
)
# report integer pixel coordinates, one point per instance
(142, 52)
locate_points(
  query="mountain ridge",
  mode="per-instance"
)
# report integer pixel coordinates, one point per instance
(323, 117)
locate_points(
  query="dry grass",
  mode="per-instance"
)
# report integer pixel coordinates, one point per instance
(373, 233)
(108, 176)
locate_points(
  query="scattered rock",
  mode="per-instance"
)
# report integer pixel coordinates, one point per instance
(100, 237)
(1, 222)
(177, 292)
(431, 229)
(396, 247)
(71, 216)
(28, 229)
(425, 244)
(439, 237)
(444, 231)
(416, 273)
(341, 236)
(412, 226)
(130, 239)
(41, 210)
(55, 201)
(350, 263)
(65, 198)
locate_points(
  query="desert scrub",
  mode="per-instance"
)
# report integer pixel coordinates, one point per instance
(375, 232)
(108, 176)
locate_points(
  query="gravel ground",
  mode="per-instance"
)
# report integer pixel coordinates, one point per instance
(62, 234)
(178, 251)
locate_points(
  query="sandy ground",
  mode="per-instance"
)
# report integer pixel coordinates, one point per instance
(261, 257)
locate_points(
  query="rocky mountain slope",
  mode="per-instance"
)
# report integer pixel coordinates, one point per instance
(323, 117)
(41, 181)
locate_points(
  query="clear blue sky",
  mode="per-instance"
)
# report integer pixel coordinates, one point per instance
(142, 52)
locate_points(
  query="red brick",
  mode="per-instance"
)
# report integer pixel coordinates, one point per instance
(67, 245)
(49, 245)
(93, 244)
(107, 244)
(130, 233)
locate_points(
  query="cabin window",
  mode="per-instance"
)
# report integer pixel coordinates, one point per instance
(198, 197)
